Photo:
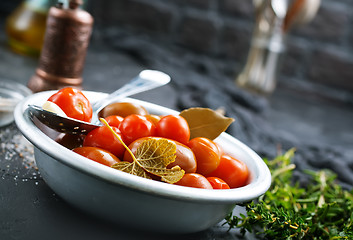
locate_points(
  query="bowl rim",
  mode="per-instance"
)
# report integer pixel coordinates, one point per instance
(258, 186)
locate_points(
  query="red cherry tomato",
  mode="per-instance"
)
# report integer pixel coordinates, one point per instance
(114, 120)
(73, 103)
(185, 158)
(98, 155)
(174, 127)
(102, 137)
(136, 126)
(206, 153)
(218, 183)
(194, 180)
(233, 171)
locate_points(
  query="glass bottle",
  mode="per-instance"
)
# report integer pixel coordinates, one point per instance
(260, 71)
(25, 26)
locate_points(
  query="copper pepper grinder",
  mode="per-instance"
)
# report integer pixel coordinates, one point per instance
(66, 39)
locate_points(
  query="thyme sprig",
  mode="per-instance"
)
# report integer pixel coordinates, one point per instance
(320, 210)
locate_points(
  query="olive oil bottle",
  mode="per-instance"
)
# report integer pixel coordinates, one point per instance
(25, 26)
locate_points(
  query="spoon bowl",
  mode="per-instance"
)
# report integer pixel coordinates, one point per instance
(146, 80)
(60, 123)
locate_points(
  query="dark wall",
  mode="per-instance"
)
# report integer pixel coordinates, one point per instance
(320, 52)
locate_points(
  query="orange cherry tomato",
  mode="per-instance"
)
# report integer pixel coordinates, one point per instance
(114, 120)
(185, 158)
(220, 149)
(153, 118)
(73, 103)
(102, 137)
(217, 183)
(123, 109)
(206, 153)
(174, 127)
(233, 171)
(194, 180)
(98, 155)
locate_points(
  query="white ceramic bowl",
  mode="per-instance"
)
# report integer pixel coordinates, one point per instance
(134, 201)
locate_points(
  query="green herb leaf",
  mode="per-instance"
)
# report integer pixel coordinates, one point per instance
(322, 210)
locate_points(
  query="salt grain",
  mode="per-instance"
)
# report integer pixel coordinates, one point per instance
(16, 156)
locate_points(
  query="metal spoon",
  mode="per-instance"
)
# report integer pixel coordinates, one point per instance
(146, 80)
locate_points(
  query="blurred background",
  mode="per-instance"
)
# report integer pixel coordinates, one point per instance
(217, 33)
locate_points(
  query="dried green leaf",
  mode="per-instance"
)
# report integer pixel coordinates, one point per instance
(205, 122)
(152, 157)
(156, 152)
(132, 168)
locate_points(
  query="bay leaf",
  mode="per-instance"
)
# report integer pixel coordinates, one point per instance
(205, 122)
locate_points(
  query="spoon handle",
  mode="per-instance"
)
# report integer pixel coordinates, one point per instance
(146, 80)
